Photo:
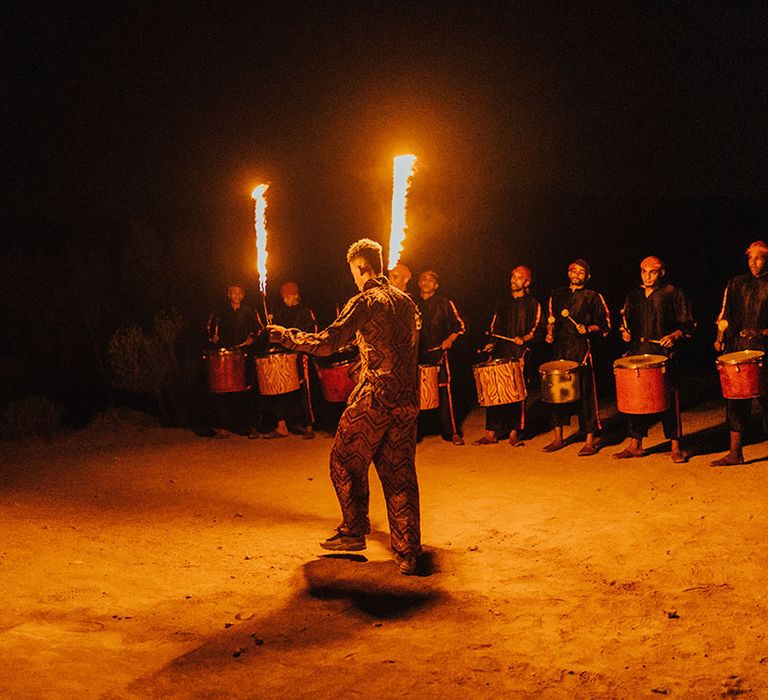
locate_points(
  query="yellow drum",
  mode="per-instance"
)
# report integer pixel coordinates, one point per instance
(560, 381)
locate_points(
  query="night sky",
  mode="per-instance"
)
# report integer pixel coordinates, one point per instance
(544, 131)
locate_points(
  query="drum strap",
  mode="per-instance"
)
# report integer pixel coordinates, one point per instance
(305, 367)
(447, 385)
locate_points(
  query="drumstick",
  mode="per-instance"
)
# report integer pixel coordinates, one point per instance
(567, 314)
(550, 325)
(722, 326)
(650, 340)
(434, 349)
(502, 337)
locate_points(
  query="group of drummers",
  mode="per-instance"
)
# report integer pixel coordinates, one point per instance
(655, 319)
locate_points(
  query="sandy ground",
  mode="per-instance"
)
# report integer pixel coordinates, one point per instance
(139, 562)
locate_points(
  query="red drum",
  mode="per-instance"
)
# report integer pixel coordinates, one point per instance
(429, 391)
(277, 372)
(742, 375)
(226, 371)
(642, 384)
(499, 382)
(560, 381)
(336, 380)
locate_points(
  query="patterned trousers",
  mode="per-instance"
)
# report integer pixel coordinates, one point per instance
(388, 439)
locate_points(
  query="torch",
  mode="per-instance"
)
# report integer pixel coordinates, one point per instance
(260, 206)
(401, 180)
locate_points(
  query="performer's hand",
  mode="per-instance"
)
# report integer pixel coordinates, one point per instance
(487, 348)
(275, 333)
(517, 340)
(748, 333)
(214, 339)
(248, 341)
(581, 328)
(549, 338)
(667, 341)
(626, 336)
(446, 344)
(719, 346)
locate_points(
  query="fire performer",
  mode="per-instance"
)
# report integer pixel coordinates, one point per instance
(518, 318)
(295, 407)
(744, 320)
(656, 317)
(574, 313)
(379, 422)
(234, 327)
(441, 325)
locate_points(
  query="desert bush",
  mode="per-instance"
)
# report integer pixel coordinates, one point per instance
(31, 416)
(147, 362)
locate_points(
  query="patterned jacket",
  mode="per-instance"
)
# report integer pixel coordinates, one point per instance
(383, 319)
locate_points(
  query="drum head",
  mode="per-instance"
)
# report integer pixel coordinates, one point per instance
(640, 361)
(494, 363)
(558, 367)
(739, 358)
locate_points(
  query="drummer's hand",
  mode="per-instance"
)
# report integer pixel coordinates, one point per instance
(581, 328)
(487, 348)
(275, 333)
(549, 338)
(446, 344)
(626, 336)
(748, 333)
(719, 346)
(517, 340)
(248, 341)
(667, 341)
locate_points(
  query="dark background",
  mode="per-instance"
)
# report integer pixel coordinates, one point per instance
(133, 136)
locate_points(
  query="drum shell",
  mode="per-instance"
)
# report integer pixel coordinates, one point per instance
(642, 390)
(277, 373)
(499, 382)
(742, 379)
(226, 371)
(560, 382)
(335, 381)
(429, 387)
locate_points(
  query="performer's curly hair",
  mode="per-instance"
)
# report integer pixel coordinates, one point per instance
(368, 250)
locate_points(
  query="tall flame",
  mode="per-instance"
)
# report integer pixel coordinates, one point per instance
(403, 171)
(260, 222)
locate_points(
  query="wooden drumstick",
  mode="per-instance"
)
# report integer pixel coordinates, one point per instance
(502, 337)
(650, 340)
(567, 314)
(550, 325)
(722, 326)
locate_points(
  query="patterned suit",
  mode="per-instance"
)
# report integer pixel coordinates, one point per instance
(379, 423)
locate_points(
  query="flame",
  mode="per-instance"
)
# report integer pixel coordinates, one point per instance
(402, 173)
(260, 222)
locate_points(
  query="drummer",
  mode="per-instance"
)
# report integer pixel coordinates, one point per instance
(441, 325)
(585, 313)
(656, 316)
(516, 323)
(294, 408)
(399, 277)
(234, 326)
(745, 309)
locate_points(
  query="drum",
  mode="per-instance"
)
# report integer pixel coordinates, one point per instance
(226, 371)
(642, 384)
(742, 375)
(429, 392)
(560, 381)
(499, 382)
(277, 373)
(336, 380)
